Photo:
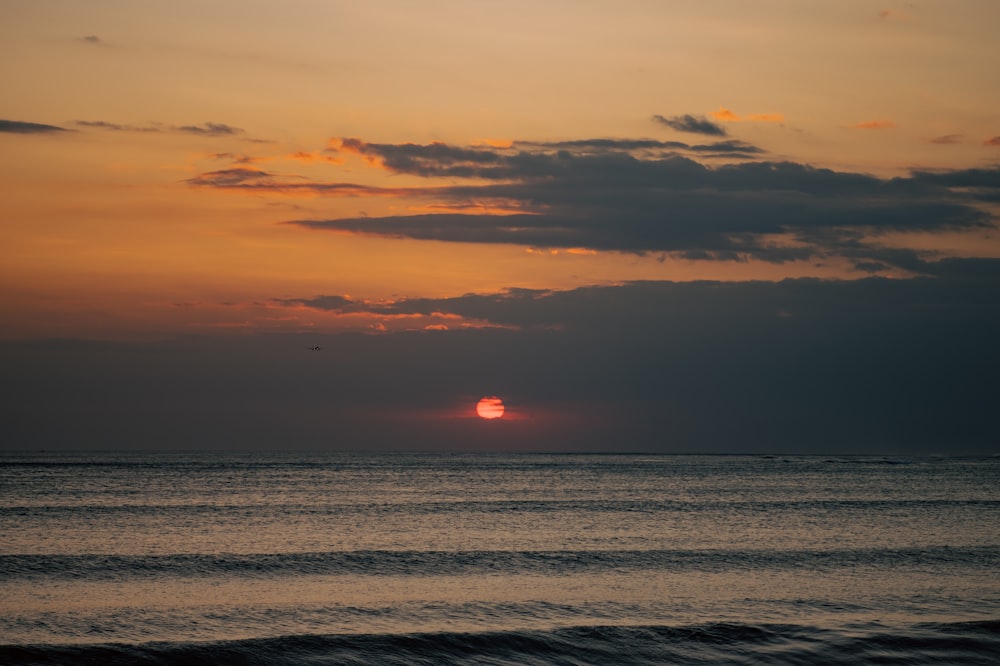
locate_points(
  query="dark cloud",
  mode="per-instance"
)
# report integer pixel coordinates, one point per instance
(904, 366)
(730, 148)
(663, 304)
(529, 160)
(210, 129)
(20, 127)
(100, 124)
(237, 177)
(549, 231)
(91, 39)
(233, 157)
(644, 195)
(692, 124)
(115, 127)
(972, 184)
(647, 148)
(605, 145)
(641, 196)
(438, 159)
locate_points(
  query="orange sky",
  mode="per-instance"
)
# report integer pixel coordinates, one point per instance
(104, 232)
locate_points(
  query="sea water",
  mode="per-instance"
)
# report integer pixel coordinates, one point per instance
(498, 559)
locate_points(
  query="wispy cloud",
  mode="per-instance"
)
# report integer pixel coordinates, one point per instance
(947, 139)
(691, 124)
(256, 180)
(234, 158)
(993, 141)
(116, 127)
(725, 115)
(21, 127)
(100, 124)
(729, 116)
(205, 129)
(210, 129)
(237, 177)
(303, 156)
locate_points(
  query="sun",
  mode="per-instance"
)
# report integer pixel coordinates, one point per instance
(490, 407)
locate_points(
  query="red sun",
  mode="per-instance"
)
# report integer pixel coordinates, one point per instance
(490, 407)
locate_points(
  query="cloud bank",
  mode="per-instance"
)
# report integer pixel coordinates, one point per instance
(648, 196)
(806, 366)
(21, 127)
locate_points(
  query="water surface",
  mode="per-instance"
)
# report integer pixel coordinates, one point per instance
(352, 558)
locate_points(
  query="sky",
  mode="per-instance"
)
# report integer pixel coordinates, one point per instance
(713, 226)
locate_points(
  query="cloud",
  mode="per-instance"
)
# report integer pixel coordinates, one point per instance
(641, 196)
(812, 366)
(436, 159)
(257, 180)
(603, 145)
(205, 129)
(874, 124)
(874, 365)
(725, 115)
(115, 127)
(303, 156)
(233, 157)
(210, 129)
(981, 183)
(947, 139)
(663, 304)
(91, 39)
(729, 148)
(691, 124)
(334, 303)
(523, 159)
(100, 124)
(237, 177)
(993, 141)
(20, 127)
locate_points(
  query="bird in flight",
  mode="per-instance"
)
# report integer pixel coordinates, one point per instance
(315, 348)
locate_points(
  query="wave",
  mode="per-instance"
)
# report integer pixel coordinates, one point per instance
(970, 643)
(423, 563)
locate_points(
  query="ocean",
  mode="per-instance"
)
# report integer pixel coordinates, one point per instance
(498, 559)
